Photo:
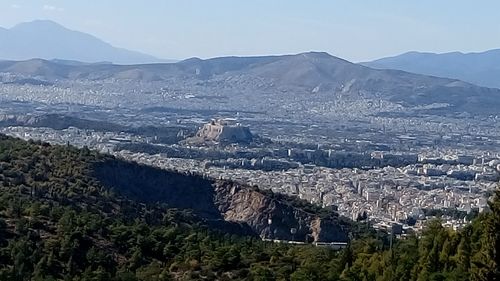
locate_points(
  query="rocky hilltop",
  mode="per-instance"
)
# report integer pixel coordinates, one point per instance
(223, 131)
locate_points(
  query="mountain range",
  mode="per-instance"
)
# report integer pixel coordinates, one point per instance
(478, 68)
(48, 40)
(299, 75)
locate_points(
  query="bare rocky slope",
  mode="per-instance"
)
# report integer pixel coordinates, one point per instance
(244, 209)
(275, 219)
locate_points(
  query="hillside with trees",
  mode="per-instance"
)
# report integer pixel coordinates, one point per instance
(63, 217)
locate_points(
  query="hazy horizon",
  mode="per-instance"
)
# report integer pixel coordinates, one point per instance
(353, 31)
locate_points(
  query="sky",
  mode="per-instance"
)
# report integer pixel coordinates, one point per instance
(357, 30)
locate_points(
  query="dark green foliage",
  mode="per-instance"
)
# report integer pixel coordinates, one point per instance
(59, 221)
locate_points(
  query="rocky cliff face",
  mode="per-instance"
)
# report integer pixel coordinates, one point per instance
(258, 212)
(273, 219)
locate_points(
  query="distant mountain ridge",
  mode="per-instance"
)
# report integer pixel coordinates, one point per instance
(48, 40)
(299, 75)
(481, 68)
(305, 70)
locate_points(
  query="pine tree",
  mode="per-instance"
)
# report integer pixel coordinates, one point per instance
(463, 254)
(485, 264)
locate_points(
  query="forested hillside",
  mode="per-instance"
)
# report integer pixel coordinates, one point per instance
(61, 220)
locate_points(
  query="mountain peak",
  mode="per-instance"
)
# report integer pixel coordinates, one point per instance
(320, 56)
(38, 24)
(317, 54)
(49, 40)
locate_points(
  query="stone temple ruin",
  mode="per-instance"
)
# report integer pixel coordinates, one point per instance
(224, 131)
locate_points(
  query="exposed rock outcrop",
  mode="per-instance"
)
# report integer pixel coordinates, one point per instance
(217, 201)
(223, 131)
(273, 219)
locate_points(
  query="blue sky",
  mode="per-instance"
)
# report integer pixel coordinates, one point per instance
(356, 30)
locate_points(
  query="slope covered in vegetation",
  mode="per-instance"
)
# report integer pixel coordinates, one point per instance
(61, 219)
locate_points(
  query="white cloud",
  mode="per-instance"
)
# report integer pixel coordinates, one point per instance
(15, 6)
(52, 8)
